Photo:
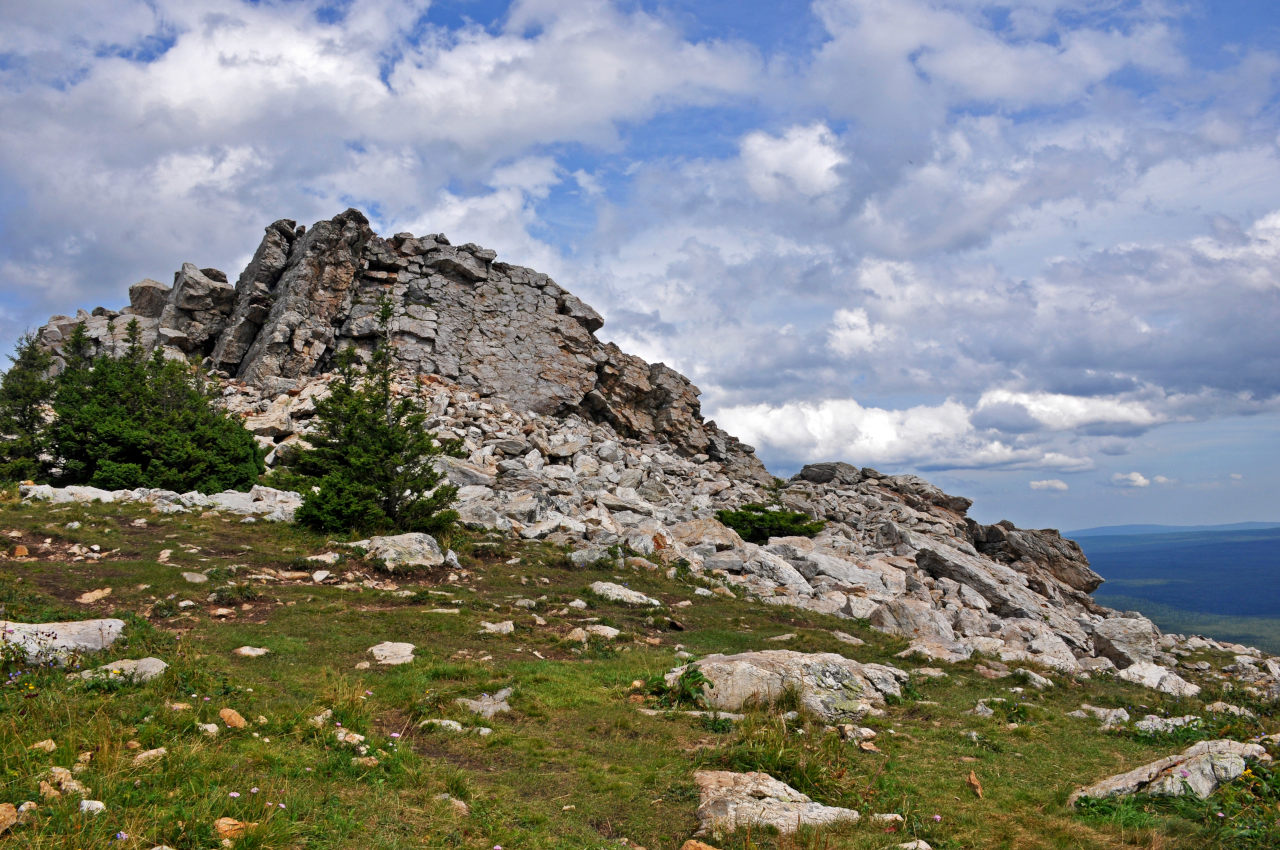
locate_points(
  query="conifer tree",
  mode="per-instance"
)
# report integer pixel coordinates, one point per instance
(372, 457)
(133, 421)
(25, 392)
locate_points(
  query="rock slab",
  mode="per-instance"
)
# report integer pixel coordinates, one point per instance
(730, 801)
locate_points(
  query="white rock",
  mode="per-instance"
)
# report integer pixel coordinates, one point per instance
(392, 653)
(617, 593)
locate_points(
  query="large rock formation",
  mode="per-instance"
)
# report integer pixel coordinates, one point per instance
(499, 329)
(571, 440)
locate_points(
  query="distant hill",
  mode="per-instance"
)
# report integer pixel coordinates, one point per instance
(1114, 530)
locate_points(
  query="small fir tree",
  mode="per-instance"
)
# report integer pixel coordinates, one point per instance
(133, 421)
(25, 392)
(372, 457)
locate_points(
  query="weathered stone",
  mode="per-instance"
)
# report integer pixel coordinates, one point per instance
(829, 685)
(402, 551)
(1200, 768)
(487, 705)
(391, 653)
(1126, 640)
(141, 670)
(58, 641)
(1159, 678)
(617, 593)
(731, 801)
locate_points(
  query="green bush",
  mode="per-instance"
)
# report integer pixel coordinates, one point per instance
(756, 523)
(134, 421)
(372, 459)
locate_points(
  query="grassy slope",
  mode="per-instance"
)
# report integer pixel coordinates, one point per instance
(574, 765)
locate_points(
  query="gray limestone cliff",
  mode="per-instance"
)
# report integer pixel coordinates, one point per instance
(500, 329)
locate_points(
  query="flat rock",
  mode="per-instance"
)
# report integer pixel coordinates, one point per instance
(1126, 640)
(92, 596)
(402, 551)
(141, 670)
(617, 593)
(487, 705)
(731, 801)
(392, 653)
(1199, 769)
(831, 686)
(44, 642)
(251, 651)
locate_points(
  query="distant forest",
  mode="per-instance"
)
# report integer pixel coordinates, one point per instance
(1220, 583)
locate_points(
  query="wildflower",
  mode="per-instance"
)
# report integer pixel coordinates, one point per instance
(234, 794)
(122, 836)
(395, 734)
(253, 790)
(1184, 773)
(280, 805)
(368, 693)
(937, 817)
(1221, 815)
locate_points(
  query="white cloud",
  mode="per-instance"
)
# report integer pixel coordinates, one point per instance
(1130, 479)
(1050, 484)
(1064, 412)
(853, 332)
(803, 160)
(1163, 479)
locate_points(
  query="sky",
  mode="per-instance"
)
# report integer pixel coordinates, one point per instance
(1029, 250)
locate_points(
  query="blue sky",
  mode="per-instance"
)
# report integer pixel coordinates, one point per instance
(1030, 250)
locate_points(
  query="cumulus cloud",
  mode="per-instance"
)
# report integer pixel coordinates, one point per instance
(1019, 237)
(803, 160)
(1050, 484)
(1130, 479)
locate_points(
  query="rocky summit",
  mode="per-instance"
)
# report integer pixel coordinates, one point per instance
(572, 440)
(595, 660)
(499, 330)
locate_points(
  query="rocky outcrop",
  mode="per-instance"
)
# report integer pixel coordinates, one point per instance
(570, 440)
(502, 330)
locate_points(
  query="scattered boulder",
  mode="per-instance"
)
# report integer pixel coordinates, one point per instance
(1127, 640)
(829, 685)
(617, 593)
(1153, 724)
(402, 551)
(487, 705)
(1159, 678)
(251, 651)
(391, 653)
(731, 801)
(43, 642)
(1200, 769)
(141, 670)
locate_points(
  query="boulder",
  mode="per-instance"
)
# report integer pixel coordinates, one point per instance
(43, 642)
(831, 686)
(1199, 769)
(1158, 678)
(141, 670)
(731, 801)
(402, 551)
(617, 593)
(1126, 640)
(392, 653)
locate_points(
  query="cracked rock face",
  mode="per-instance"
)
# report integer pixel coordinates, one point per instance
(499, 329)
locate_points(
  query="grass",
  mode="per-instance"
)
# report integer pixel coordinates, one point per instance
(573, 765)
